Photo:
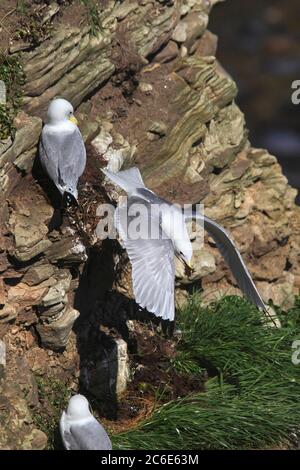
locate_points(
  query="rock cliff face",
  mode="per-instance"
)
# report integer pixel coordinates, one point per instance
(149, 92)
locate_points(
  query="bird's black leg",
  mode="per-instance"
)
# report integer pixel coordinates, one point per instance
(168, 328)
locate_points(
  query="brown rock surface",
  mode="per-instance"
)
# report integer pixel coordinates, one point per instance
(190, 141)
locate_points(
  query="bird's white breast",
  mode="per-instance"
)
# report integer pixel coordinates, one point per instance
(61, 126)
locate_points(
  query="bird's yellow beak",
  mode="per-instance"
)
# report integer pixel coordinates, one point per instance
(74, 120)
(189, 265)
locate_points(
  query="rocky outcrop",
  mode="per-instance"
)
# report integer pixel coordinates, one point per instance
(18, 395)
(34, 290)
(169, 108)
(155, 96)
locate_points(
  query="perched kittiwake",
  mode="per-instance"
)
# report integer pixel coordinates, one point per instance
(80, 430)
(62, 151)
(152, 259)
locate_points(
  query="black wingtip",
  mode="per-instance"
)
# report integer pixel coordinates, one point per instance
(271, 317)
(69, 200)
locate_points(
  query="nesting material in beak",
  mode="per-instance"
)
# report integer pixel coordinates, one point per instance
(74, 120)
(188, 267)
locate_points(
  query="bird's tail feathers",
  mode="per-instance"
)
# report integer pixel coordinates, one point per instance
(69, 200)
(129, 180)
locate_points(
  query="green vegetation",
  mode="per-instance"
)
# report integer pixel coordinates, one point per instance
(53, 396)
(22, 6)
(11, 72)
(94, 18)
(252, 396)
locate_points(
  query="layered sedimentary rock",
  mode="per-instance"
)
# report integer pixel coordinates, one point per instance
(156, 97)
(174, 116)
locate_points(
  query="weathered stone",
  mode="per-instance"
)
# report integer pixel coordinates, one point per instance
(179, 34)
(25, 295)
(113, 148)
(203, 263)
(68, 249)
(56, 334)
(282, 292)
(121, 11)
(123, 367)
(88, 129)
(168, 53)
(181, 297)
(27, 135)
(145, 87)
(36, 440)
(106, 374)
(74, 63)
(102, 141)
(206, 45)
(18, 393)
(198, 152)
(51, 312)
(37, 274)
(4, 264)
(2, 359)
(158, 127)
(26, 381)
(225, 137)
(57, 293)
(28, 224)
(24, 162)
(2, 92)
(9, 179)
(171, 158)
(8, 313)
(2, 293)
(195, 25)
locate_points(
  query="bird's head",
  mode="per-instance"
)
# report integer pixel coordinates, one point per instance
(60, 110)
(78, 407)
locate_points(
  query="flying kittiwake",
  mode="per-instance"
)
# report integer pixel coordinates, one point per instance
(80, 430)
(62, 151)
(152, 259)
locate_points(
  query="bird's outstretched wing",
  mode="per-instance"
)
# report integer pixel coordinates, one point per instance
(233, 259)
(152, 260)
(89, 436)
(63, 157)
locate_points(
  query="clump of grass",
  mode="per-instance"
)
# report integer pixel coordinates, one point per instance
(11, 72)
(94, 17)
(252, 397)
(6, 122)
(53, 396)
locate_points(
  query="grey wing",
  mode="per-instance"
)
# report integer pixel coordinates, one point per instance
(49, 157)
(72, 165)
(235, 262)
(151, 197)
(69, 442)
(152, 260)
(90, 436)
(63, 156)
(232, 257)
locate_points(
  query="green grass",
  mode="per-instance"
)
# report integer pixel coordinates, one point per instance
(94, 17)
(252, 397)
(11, 72)
(54, 396)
